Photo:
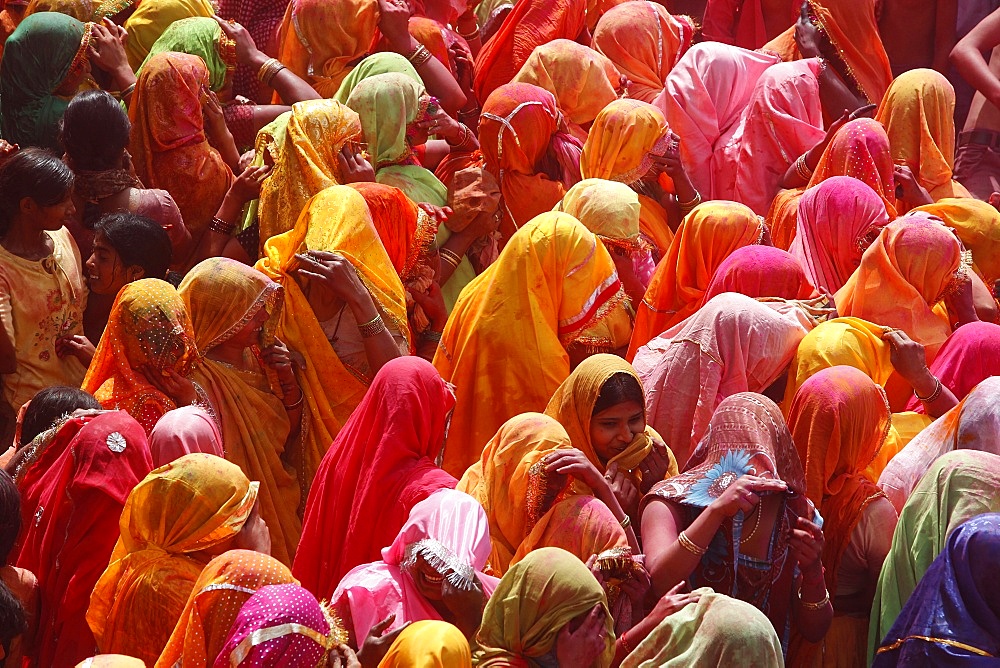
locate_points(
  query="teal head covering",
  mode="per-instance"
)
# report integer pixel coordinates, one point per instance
(203, 37)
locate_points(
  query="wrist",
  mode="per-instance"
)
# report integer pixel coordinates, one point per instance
(923, 382)
(123, 77)
(404, 45)
(257, 59)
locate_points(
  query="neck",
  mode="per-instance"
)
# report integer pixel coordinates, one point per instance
(23, 240)
(227, 354)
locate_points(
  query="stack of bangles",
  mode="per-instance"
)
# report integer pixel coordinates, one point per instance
(690, 545)
(472, 36)
(687, 207)
(220, 226)
(419, 56)
(269, 70)
(373, 327)
(818, 605)
(938, 388)
(802, 168)
(296, 404)
(466, 139)
(128, 91)
(451, 257)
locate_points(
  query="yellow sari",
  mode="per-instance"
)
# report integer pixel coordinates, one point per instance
(429, 643)
(336, 220)
(151, 18)
(504, 347)
(222, 296)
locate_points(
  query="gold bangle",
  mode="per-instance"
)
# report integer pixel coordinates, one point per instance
(268, 70)
(419, 56)
(373, 327)
(451, 257)
(690, 545)
(818, 605)
(626, 522)
(474, 35)
(802, 168)
(687, 207)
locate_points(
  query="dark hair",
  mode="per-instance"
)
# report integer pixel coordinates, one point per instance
(13, 621)
(49, 405)
(618, 389)
(36, 173)
(95, 131)
(139, 242)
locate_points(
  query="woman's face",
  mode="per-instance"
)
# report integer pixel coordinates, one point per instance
(106, 273)
(71, 84)
(614, 428)
(427, 579)
(50, 218)
(250, 334)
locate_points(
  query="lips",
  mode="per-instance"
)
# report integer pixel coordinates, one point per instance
(433, 579)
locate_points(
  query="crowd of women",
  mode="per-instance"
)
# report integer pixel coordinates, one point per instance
(440, 333)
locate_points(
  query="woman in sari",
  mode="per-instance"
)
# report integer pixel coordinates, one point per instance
(538, 607)
(969, 356)
(183, 431)
(706, 237)
(555, 280)
(733, 344)
(149, 334)
(233, 310)
(839, 421)
(433, 570)
(174, 522)
(957, 487)
(977, 225)
(541, 492)
(152, 18)
(737, 520)
(226, 583)
(92, 461)
(385, 451)
(951, 618)
(383, 62)
(760, 272)
(430, 644)
(644, 42)
(837, 221)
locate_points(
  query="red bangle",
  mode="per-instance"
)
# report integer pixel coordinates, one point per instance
(624, 642)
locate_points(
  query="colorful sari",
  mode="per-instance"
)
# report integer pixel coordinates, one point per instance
(583, 81)
(760, 272)
(149, 328)
(169, 147)
(429, 644)
(203, 37)
(747, 436)
(321, 41)
(385, 451)
(75, 466)
(625, 137)
(81, 10)
(703, 99)
(261, 18)
(530, 24)
(969, 356)
(45, 50)
(383, 62)
(152, 18)
(529, 508)
(837, 221)
(337, 221)
(977, 225)
(951, 618)
(644, 42)
(219, 593)
(957, 487)
(222, 296)
(504, 346)
(903, 275)
(534, 601)
(179, 510)
(183, 431)
(705, 238)
(448, 530)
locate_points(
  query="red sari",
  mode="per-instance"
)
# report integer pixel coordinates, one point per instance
(380, 465)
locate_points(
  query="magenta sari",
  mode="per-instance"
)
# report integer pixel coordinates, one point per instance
(760, 271)
(969, 356)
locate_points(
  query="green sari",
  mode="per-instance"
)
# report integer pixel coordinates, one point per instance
(203, 37)
(958, 486)
(384, 62)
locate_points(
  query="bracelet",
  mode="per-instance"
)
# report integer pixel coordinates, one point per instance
(420, 55)
(938, 388)
(687, 207)
(626, 522)
(373, 327)
(451, 257)
(802, 168)
(466, 136)
(690, 546)
(268, 70)
(431, 335)
(818, 605)
(296, 404)
(221, 227)
(474, 35)
(128, 91)
(624, 642)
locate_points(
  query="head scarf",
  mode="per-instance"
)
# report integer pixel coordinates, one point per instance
(530, 24)
(758, 272)
(429, 644)
(902, 276)
(203, 37)
(405, 230)
(553, 281)
(534, 601)
(385, 451)
(149, 329)
(969, 356)
(383, 62)
(644, 42)
(952, 618)
(219, 593)
(703, 98)
(837, 221)
(732, 344)
(958, 486)
(152, 18)
(860, 149)
(450, 531)
(977, 224)
(320, 40)
(610, 210)
(46, 49)
(280, 625)
(81, 10)
(182, 431)
(705, 238)
(194, 503)
(90, 462)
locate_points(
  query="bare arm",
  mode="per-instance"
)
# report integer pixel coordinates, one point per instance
(967, 57)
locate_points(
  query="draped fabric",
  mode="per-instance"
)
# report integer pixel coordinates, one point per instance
(383, 62)
(183, 431)
(760, 272)
(149, 331)
(705, 238)
(169, 148)
(951, 618)
(203, 37)
(429, 644)
(74, 466)
(504, 347)
(969, 356)
(261, 18)
(744, 23)
(385, 451)
(837, 221)
(644, 41)
(81, 10)
(732, 344)
(405, 230)
(152, 18)
(957, 487)
(192, 504)
(608, 209)
(219, 593)
(534, 601)
(977, 225)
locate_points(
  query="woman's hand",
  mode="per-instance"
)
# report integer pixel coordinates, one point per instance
(672, 602)
(807, 38)
(961, 302)
(574, 463)
(7, 150)
(806, 545)
(624, 490)
(77, 345)
(333, 274)
(655, 466)
(247, 52)
(278, 358)
(466, 606)
(211, 110)
(376, 645)
(744, 495)
(343, 656)
(172, 384)
(636, 588)
(908, 188)
(464, 71)
(394, 23)
(440, 124)
(440, 214)
(432, 302)
(908, 358)
(582, 647)
(247, 185)
(353, 166)
(107, 52)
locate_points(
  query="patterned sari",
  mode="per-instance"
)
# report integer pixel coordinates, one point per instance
(203, 37)
(152, 18)
(760, 272)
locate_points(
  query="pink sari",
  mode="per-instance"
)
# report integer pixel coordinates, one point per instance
(969, 356)
(183, 431)
(758, 272)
